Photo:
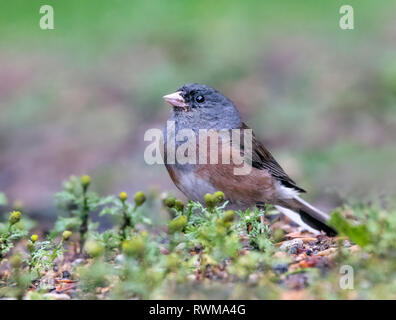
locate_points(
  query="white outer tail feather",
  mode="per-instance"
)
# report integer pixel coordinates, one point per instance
(295, 217)
(324, 215)
(286, 193)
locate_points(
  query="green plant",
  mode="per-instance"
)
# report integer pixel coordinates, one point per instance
(143, 269)
(110, 240)
(203, 247)
(259, 233)
(43, 253)
(78, 202)
(374, 230)
(212, 229)
(22, 280)
(11, 233)
(128, 213)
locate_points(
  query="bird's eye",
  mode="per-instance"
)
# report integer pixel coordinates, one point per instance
(200, 99)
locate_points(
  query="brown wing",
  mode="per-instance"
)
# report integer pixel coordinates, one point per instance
(263, 159)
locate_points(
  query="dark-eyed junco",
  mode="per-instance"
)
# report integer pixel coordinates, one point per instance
(197, 107)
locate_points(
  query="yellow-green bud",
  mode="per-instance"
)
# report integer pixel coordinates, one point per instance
(179, 205)
(34, 238)
(16, 261)
(210, 200)
(134, 247)
(66, 235)
(170, 202)
(229, 216)
(93, 248)
(219, 196)
(85, 181)
(139, 198)
(123, 196)
(15, 217)
(177, 224)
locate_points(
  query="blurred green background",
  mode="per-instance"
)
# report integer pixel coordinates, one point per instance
(77, 99)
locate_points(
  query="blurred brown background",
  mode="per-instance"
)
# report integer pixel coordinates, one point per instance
(77, 99)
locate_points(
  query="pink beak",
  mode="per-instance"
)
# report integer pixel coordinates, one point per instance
(176, 100)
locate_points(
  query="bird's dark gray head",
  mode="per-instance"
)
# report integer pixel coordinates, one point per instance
(197, 106)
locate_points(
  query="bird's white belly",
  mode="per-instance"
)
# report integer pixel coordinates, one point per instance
(194, 188)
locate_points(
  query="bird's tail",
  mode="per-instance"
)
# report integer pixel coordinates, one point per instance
(307, 216)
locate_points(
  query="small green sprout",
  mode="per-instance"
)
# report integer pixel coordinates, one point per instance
(13, 233)
(126, 217)
(43, 254)
(129, 213)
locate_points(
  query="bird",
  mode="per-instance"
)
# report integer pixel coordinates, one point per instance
(197, 107)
